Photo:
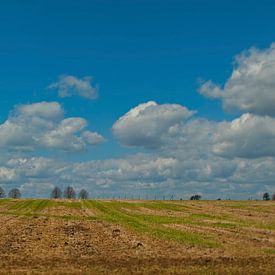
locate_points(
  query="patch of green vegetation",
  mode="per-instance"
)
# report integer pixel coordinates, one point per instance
(163, 205)
(38, 205)
(254, 206)
(4, 201)
(209, 216)
(69, 203)
(21, 205)
(158, 224)
(225, 225)
(184, 236)
(154, 205)
(149, 224)
(28, 205)
(36, 215)
(113, 208)
(247, 222)
(270, 251)
(189, 218)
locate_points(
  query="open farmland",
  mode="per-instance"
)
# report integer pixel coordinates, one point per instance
(143, 237)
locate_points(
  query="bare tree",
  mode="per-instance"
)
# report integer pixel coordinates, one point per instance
(2, 193)
(83, 194)
(195, 197)
(266, 196)
(273, 197)
(69, 193)
(15, 193)
(56, 193)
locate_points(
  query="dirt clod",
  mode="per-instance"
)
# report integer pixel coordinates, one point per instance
(115, 233)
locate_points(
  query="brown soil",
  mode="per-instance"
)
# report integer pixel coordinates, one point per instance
(53, 245)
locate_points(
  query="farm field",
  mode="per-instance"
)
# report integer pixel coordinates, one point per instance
(137, 237)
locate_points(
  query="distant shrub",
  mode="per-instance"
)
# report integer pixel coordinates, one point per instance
(69, 193)
(195, 197)
(56, 193)
(15, 193)
(266, 197)
(2, 193)
(83, 194)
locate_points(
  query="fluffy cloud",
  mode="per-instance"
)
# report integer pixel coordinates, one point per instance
(146, 124)
(251, 86)
(69, 85)
(249, 136)
(42, 125)
(7, 174)
(92, 138)
(194, 138)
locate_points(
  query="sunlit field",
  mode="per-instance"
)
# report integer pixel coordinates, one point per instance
(147, 237)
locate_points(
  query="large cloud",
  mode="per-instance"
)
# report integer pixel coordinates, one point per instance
(42, 125)
(147, 124)
(69, 85)
(251, 87)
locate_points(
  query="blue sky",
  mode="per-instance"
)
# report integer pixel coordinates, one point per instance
(135, 51)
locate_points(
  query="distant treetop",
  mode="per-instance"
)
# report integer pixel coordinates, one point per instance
(15, 193)
(83, 194)
(2, 193)
(195, 197)
(56, 193)
(69, 193)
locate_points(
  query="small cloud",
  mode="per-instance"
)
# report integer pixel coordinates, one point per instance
(93, 138)
(210, 90)
(69, 85)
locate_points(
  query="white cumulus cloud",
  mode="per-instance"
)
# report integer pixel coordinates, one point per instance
(251, 86)
(249, 136)
(146, 124)
(42, 125)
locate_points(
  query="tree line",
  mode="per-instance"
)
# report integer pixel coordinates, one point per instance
(14, 193)
(266, 197)
(70, 193)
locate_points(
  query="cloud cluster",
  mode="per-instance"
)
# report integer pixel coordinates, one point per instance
(143, 174)
(69, 85)
(185, 154)
(251, 86)
(43, 126)
(229, 156)
(249, 136)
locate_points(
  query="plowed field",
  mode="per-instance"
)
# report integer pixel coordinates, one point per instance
(137, 237)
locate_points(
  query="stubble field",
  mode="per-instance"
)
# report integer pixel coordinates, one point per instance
(137, 237)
